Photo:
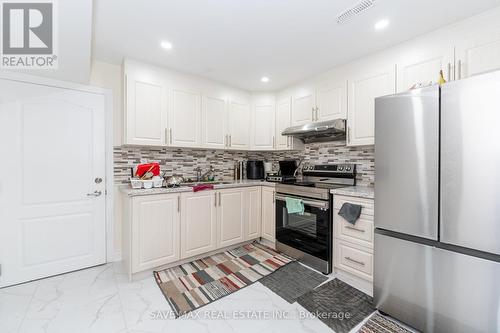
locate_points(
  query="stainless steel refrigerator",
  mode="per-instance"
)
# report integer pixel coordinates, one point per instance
(437, 206)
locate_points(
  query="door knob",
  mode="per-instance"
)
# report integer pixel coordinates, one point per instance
(98, 180)
(95, 194)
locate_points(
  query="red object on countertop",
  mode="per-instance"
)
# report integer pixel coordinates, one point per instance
(148, 167)
(202, 187)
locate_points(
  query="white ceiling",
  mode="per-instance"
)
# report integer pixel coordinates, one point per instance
(239, 41)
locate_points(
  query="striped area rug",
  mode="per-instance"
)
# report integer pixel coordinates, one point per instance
(192, 285)
(380, 324)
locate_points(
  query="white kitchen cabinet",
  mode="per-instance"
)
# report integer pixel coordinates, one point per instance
(146, 107)
(214, 122)
(268, 214)
(185, 119)
(424, 66)
(263, 127)
(477, 55)
(199, 223)
(155, 231)
(303, 107)
(331, 100)
(283, 121)
(239, 125)
(231, 217)
(365, 85)
(253, 212)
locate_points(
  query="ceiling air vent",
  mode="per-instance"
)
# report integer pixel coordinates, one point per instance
(353, 11)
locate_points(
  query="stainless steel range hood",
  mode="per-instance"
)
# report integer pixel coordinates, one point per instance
(323, 131)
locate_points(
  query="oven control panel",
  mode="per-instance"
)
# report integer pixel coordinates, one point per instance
(345, 169)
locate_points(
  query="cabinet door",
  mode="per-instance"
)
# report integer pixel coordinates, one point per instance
(478, 55)
(239, 125)
(268, 214)
(145, 110)
(331, 100)
(199, 223)
(253, 209)
(283, 119)
(424, 67)
(303, 106)
(155, 231)
(231, 217)
(364, 88)
(263, 127)
(214, 122)
(185, 119)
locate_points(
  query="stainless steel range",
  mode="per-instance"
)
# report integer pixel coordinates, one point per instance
(308, 236)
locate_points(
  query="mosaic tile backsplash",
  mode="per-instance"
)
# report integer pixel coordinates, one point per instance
(184, 161)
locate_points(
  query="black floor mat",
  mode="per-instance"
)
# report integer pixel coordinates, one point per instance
(338, 305)
(293, 281)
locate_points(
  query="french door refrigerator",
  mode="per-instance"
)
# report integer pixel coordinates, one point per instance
(437, 206)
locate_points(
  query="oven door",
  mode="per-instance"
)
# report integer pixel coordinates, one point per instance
(309, 232)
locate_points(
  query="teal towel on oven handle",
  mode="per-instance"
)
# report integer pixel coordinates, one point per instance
(294, 206)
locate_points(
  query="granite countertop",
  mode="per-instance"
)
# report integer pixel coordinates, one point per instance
(131, 192)
(355, 191)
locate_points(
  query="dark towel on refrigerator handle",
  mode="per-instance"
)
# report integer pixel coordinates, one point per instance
(350, 212)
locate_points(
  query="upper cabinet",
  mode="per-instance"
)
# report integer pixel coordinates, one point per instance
(239, 125)
(478, 55)
(185, 118)
(214, 122)
(331, 100)
(367, 83)
(326, 101)
(283, 121)
(417, 67)
(146, 106)
(263, 118)
(303, 107)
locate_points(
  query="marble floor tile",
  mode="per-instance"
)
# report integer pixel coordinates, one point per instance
(102, 300)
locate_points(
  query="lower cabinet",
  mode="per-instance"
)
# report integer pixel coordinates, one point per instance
(162, 229)
(253, 214)
(268, 214)
(155, 231)
(231, 217)
(353, 244)
(199, 223)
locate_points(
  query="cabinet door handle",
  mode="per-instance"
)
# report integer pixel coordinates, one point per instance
(274, 142)
(449, 72)
(215, 194)
(166, 136)
(220, 199)
(94, 194)
(355, 261)
(274, 197)
(459, 69)
(170, 136)
(225, 141)
(353, 228)
(313, 113)
(230, 141)
(317, 113)
(179, 204)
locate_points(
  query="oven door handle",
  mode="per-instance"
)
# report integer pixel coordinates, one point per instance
(317, 204)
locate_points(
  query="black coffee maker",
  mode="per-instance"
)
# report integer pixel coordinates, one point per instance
(255, 170)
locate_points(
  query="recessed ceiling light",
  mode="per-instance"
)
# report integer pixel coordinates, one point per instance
(382, 24)
(166, 45)
(264, 79)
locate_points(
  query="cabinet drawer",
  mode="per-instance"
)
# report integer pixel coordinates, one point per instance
(366, 204)
(360, 233)
(354, 260)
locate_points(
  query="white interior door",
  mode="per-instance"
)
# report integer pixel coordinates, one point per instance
(52, 203)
